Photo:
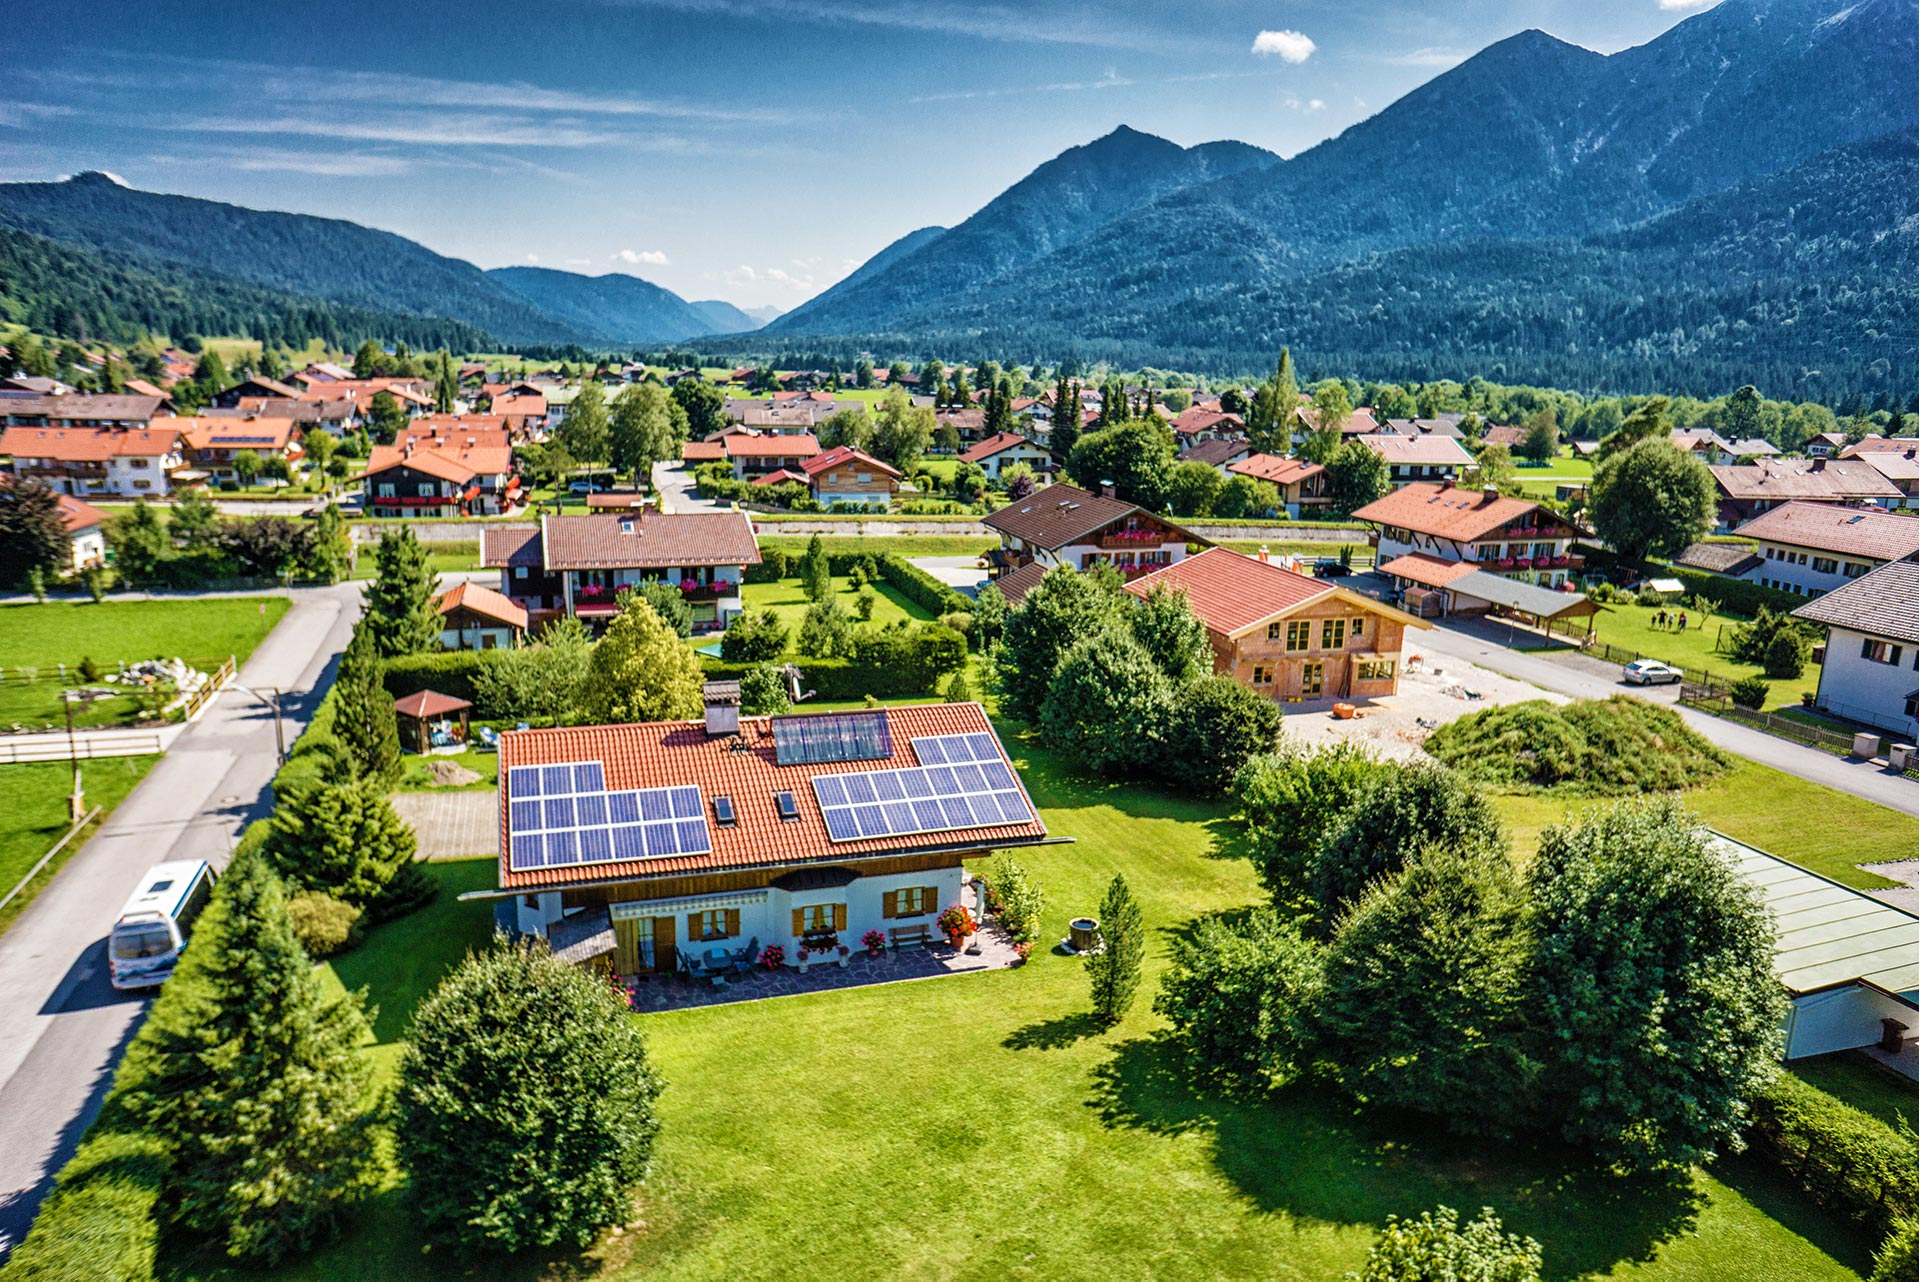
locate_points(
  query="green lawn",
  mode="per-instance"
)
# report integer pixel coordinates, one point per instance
(908, 545)
(442, 558)
(414, 777)
(786, 599)
(983, 1126)
(35, 815)
(1769, 810)
(42, 636)
(1631, 627)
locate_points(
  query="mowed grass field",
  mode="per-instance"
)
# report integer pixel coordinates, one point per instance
(35, 816)
(1632, 627)
(985, 1126)
(42, 636)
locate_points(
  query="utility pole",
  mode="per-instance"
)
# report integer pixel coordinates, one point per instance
(77, 799)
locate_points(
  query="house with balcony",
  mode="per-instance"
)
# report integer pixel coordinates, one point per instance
(646, 848)
(213, 444)
(1284, 635)
(753, 453)
(475, 617)
(1418, 458)
(119, 410)
(1750, 489)
(1064, 525)
(1003, 449)
(1715, 450)
(1900, 465)
(442, 469)
(91, 462)
(845, 475)
(1207, 423)
(1872, 669)
(1302, 485)
(576, 565)
(1443, 523)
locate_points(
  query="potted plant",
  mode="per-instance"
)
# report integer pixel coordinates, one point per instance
(875, 941)
(956, 923)
(773, 957)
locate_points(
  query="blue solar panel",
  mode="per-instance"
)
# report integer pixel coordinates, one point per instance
(590, 811)
(999, 778)
(562, 848)
(589, 777)
(831, 790)
(524, 816)
(693, 836)
(562, 814)
(556, 779)
(623, 808)
(524, 781)
(596, 846)
(686, 803)
(628, 843)
(654, 805)
(660, 840)
(841, 825)
(924, 799)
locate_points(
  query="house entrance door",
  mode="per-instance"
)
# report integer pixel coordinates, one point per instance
(1313, 679)
(663, 943)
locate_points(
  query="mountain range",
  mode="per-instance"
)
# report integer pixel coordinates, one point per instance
(1731, 202)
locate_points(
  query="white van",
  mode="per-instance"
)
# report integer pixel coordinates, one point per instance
(146, 941)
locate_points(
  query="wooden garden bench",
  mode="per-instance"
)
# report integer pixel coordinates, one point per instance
(901, 935)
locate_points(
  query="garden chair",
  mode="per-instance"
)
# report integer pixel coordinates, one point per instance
(489, 741)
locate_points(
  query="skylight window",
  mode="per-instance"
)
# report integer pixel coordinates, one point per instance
(783, 801)
(723, 811)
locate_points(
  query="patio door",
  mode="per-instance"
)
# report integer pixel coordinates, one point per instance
(1313, 679)
(637, 944)
(663, 943)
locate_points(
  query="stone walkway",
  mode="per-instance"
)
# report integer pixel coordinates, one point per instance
(452, 825)
(651, 993)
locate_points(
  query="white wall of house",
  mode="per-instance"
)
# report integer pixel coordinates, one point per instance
(1804, 571)
(856, 498)
(89, 547)
(1037, 459)
(1841, 1019)
(499, 637)
(1866, 689)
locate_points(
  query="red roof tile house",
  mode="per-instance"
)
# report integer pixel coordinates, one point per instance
(1418, 458)
(473, 617)
(1065, 525)
(1810, 548)
(753, 454)
(1003, 449)
(86, 527)
(1198, 423)
(213, 444)
(645, 847)
(87, 461)
(443, 469)
(845, 476)
(1302, 485)
(1513, 538)
(1747, 491)
(576, 565)
(1284, 635)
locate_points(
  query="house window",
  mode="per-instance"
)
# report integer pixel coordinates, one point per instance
(783, 802)
(519, 571)
(1299, 636)
(1375, 670)
(1825, 565)
(426, 489)
(1357, 627)
(386, 490)
(1262, 675)
(1853, 569)
(1333, 634)
(914, 901)
(1913, 703)
(717, 923)
(1273, 632)
(1313, 678)
(815, 917)
(1880, 652)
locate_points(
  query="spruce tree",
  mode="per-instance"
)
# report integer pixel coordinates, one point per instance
(1115, 973)
(258, 1084)
(363, 717)
(1066, 422)
(32, 533)
(816, 574)
(399, 602)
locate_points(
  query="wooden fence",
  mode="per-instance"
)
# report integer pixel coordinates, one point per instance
(1718, 703)
(87, 745)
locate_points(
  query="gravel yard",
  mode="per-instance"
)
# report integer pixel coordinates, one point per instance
(1391, 725)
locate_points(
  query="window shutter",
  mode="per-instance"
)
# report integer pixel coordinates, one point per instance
(733, 921)
(931, 904)
(799, 922)
(889, 904)
(839, 916)
(693, 927)
(1893, 657)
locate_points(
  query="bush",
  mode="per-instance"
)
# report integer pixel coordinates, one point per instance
(1020, 901)
(1737, 596)
(1604, 747)
(1417, 808)
(919, 587)
(1844, 1159)
(920, 653)
(324, 925)
(468, 1113)
(754, 638)
(450, 672)
(1437, 1246)
(344, 839)
(1290, 800)
(1218, 725)
(763, 692)
(1108, 705)
(1786, 655)
(1896, 1261)
(1235, 993)
(1759, 642)
(1749, 692)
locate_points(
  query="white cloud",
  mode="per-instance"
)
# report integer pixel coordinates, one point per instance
(649, 257)
(346, 164)
(450, 129)
(1288, 46)
(533, 258)
(579, 262)
(1015, 23)
(1686, 6)
(1316, 105)
(1432, 56)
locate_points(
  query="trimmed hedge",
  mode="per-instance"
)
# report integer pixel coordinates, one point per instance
(1844, 1159)
(921, 588)
(1737, 596)
(833, 680)
(446, 671)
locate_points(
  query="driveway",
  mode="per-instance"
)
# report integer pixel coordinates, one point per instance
(675, 484)
(62, 1026)
(963, 574)
(1581, 677)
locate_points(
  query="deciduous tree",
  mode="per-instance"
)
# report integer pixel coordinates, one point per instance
(584, 431)
(1652, 500)
(1218, 725)
(641, 671)
(1108, 704)
(1356, 476)
(1062, 608)
(1400, 812)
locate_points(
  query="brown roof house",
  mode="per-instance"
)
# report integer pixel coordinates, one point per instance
(1066, 525)
(1810, 548)
(843, 476)
(1418, 458)
(1748, 490)
(1872, 667)
(1512, 538)
(576, 565)
(473, 617)
(1302, 485)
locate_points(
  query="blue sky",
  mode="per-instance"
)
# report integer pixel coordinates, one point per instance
(753, 150)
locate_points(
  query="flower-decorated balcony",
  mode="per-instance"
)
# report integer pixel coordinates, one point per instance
(694, 590)
(1137, 538)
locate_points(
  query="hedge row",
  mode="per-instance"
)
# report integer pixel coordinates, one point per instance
(1843, 1158)
(1736, 595)
(831, 680)
(102, 1220)
(921, 588)
(448, 672)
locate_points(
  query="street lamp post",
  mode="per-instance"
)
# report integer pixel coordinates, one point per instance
(270, 700)
(77, 799)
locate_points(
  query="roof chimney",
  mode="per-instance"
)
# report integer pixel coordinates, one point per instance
(1107, 490)
(1263, 554)
(1488, 493)
(722, 700)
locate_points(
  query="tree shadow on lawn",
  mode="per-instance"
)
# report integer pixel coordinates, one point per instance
(1054, 1034)
(1302, 1150)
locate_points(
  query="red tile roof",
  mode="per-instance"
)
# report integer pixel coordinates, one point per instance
(780, 477)
(704, 452)
(844, 454)
(1825, 527)
(1431, 571)
(1820, 479)
(1417, 450)
(1447, 511)
(428, 703)
(89, 444)
(679, 753)
(799, 445)
(993, 445)
(624, 541)
(1280, 471)
(1194, 420)
(78, 516)
(1230, 591)
(483, 601)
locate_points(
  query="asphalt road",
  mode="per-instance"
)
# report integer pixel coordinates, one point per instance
(62, 1026)
(1582, 678)
(676, 489)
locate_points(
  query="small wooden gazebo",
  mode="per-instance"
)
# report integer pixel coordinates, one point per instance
(417, 713)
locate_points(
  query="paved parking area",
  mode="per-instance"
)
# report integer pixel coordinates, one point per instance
(452, 825)
(964, 574)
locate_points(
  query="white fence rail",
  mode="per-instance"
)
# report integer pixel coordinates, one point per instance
(86, 746)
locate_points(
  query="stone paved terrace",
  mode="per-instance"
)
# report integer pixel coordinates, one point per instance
(452, 825)
(672, 992)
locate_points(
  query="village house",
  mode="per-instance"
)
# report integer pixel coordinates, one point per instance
(473, 617)
(1810, 548)
(1284, 635)
(1219, 454)
(845, 475)
(780, 418)
(443, 468)
(1418, 458)
(86, 531)
(646, 848)
(1504, 434)
(1715, 450)
(755, 455)
(1447, 425)
(1359, 422)
(132, 462)
(1750, 489)
(256, 388)
(576, 565)
(214, 443)
(1900, 466)
(1872, 669)
(1825, 444)
(969, 423)
(1432, 524)
(1065, 525)
(1302, 485)
(337, 418)
(1197, 424)
(80, 410)
(1003, 449)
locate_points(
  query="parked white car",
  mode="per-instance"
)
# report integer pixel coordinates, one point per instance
(1650, 672)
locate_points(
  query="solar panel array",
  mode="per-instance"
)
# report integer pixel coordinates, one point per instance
(834, 736)
(963, 784)
(561, 815)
